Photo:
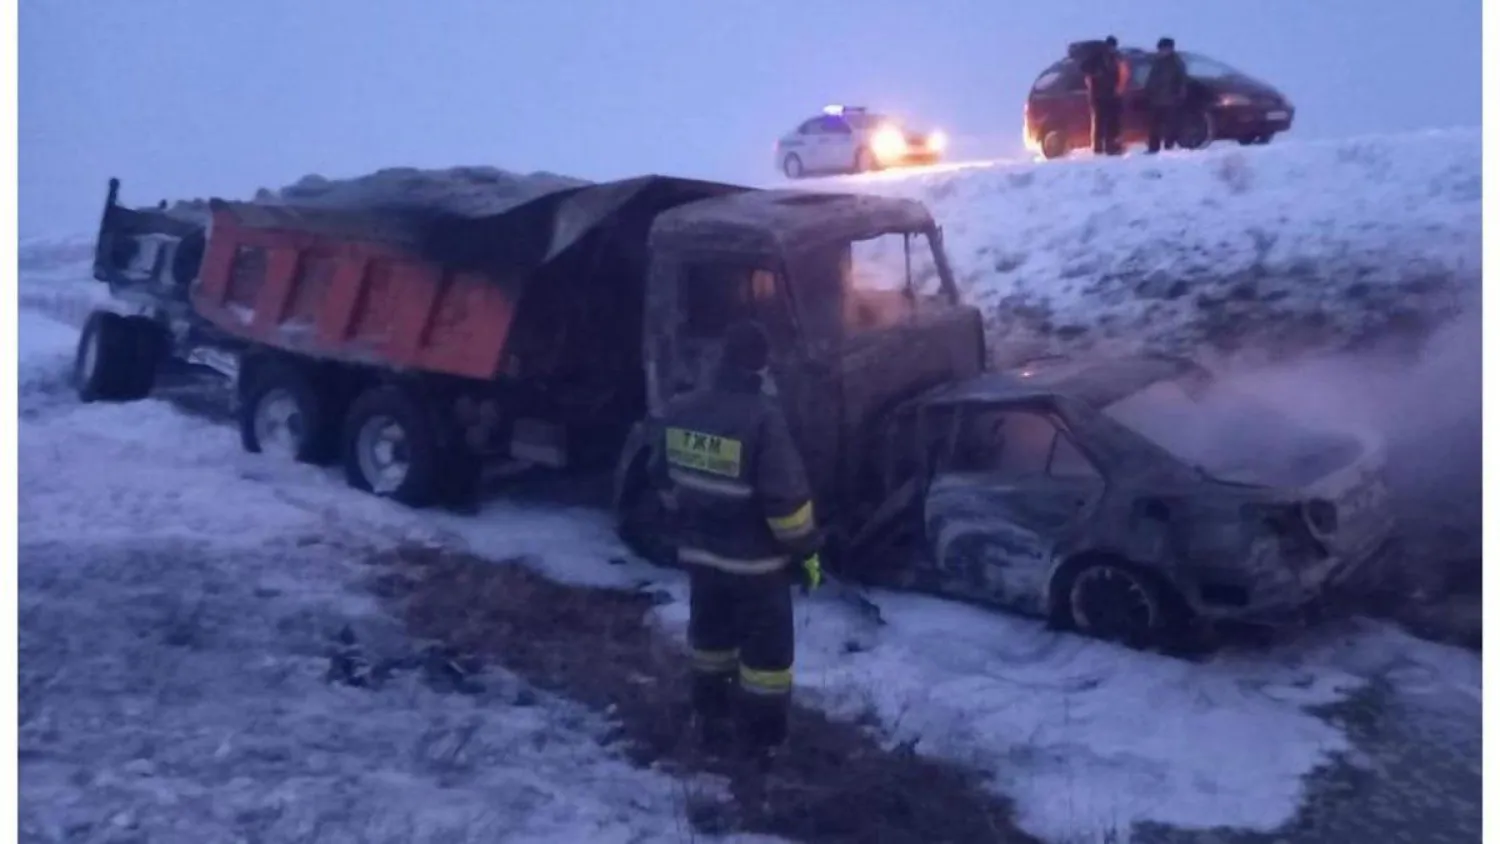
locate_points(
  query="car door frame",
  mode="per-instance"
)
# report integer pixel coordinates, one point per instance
(1017, 577)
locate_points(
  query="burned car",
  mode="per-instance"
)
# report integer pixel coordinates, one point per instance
(1069, 491)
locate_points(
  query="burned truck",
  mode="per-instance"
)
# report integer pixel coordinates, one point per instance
(412, 346)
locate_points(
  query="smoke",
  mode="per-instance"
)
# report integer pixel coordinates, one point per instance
(1426, 405)
(1289, 423)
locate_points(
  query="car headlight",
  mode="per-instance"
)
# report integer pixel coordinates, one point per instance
(887, 143)
(1233, 100)
(937, 141)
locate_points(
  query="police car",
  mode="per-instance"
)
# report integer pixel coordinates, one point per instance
(849, 139)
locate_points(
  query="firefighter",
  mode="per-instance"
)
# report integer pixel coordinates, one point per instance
(1166, 92)
(743, 519)
(1106, 74)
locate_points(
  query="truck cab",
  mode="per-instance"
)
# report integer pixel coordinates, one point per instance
(858, 299)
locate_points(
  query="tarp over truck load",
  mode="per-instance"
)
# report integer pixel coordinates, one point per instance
(511, 294)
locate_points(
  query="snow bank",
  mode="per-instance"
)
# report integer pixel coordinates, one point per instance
(176, 624)
(1286, 247)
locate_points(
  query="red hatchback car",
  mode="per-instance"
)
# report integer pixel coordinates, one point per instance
(1223, 104)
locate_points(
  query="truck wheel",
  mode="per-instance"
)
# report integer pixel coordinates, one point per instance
(1054, 144)
(117, 357)
(641, 522)
(1109, 599)
(282, 412)
(391, 447)
(151, 346)
(792, 166)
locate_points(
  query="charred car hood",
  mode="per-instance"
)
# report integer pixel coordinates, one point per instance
(1302, 462)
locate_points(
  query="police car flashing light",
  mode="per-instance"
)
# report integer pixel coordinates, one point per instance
(849, 139)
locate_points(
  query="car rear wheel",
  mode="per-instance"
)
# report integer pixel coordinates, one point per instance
(1054, 144)
(1196, 131)
(864, 161)
(1112, 600)
(792, 166)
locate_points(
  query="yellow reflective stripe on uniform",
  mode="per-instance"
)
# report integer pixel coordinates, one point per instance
(710, 486)
(795, 526)
(760, 682)
(733, 565)
(704, 452)
(716, 662)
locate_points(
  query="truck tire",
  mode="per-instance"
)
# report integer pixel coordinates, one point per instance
(392, 447)
(117, 357)
(641, 520)
(283, 410)
(151, 346)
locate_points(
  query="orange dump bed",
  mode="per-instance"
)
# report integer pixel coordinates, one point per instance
(349, 287)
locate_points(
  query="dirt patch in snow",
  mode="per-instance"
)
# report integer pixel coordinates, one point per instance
(839, 783)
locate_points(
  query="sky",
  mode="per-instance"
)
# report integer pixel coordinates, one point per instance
(183, 99)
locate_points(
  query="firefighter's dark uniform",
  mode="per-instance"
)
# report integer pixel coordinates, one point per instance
(743, 515)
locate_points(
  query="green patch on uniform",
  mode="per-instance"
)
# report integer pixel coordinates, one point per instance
(703, 452)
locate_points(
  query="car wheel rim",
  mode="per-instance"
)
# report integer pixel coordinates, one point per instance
(1109, 602)
(1052, 145)
(792, 167)
(279, 426)
(383, 455)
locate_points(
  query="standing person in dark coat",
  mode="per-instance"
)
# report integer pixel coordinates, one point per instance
(1166, 93)
(744, 515)
(1106, 74)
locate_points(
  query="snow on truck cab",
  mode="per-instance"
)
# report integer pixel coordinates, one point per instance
(412, 344)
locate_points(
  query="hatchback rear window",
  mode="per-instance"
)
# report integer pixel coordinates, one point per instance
(1057, 79)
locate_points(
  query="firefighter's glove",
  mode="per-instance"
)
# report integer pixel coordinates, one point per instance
(810, 574)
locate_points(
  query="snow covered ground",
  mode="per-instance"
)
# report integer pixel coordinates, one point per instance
(177, 617)
(1086, 737)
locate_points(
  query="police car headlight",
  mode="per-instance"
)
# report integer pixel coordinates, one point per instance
(887, 143)
(937, 141)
